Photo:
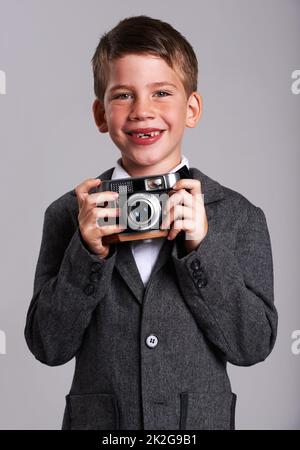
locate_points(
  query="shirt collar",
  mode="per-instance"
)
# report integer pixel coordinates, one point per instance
(120, 172)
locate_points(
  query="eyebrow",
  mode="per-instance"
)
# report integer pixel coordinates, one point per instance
(156, 84)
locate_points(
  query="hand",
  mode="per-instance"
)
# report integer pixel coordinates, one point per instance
(89, 213)
(187, 211)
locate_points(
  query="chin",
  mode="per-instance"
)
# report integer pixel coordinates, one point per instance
(148, 162)
(145, 157)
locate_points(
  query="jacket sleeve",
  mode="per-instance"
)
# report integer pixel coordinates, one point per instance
(230, 291)
(69, 283)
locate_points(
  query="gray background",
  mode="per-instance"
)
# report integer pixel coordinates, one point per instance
(248, 139)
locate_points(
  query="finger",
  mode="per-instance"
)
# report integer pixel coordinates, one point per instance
(111, 229)
(175, 229)
(82, 201)
(92, 201)
(172, 234)
(85, 187)
(186, 225)
(194, 202)
(177, 212)
(187, 183)
(89, 211)
(100, 198)
(180, 197)
(106, 212)
(167, 217)
(106, 216)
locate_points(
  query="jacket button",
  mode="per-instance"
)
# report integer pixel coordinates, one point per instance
(201, 282)
(197, 273)
(89, 289)
(151, 341)
(96, 267)
(94, 276)
(195, 264)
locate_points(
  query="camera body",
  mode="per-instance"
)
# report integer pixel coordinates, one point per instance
(141, 201)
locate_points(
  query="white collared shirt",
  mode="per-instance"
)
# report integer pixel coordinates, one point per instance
(145, 252)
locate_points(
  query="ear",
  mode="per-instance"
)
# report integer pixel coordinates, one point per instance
(99, 116)
(194, 110)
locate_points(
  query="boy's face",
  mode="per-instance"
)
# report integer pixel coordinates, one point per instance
(143, 103)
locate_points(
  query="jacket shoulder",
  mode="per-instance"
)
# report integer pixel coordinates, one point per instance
(66, 206)
(237, 197)
(245, 210)
(231, 202)
(214, 191)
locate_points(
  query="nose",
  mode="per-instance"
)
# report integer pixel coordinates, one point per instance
(141, 109)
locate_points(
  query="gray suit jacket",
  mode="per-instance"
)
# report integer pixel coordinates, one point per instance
(155, 358)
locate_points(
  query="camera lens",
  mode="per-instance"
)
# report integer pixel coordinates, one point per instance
(140, 212)
(143, 211)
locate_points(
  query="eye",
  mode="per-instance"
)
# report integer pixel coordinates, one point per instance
(162, 92)
(124, 94)
(121, 95)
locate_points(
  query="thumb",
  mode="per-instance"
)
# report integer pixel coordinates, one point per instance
(81, 198)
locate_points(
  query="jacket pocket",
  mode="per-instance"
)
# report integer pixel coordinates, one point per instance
(92, 412)
(207, 410)
(232, 412)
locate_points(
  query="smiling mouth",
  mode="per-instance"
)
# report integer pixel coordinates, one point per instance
(146, 135)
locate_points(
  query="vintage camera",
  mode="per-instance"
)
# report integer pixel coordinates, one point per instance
(141, 201)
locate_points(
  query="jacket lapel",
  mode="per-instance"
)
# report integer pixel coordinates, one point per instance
(125, 262)
(211, 189)
(126, 266)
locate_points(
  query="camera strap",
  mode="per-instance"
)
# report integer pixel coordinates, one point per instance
(184, 172)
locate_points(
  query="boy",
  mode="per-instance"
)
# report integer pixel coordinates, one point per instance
(152, 324)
